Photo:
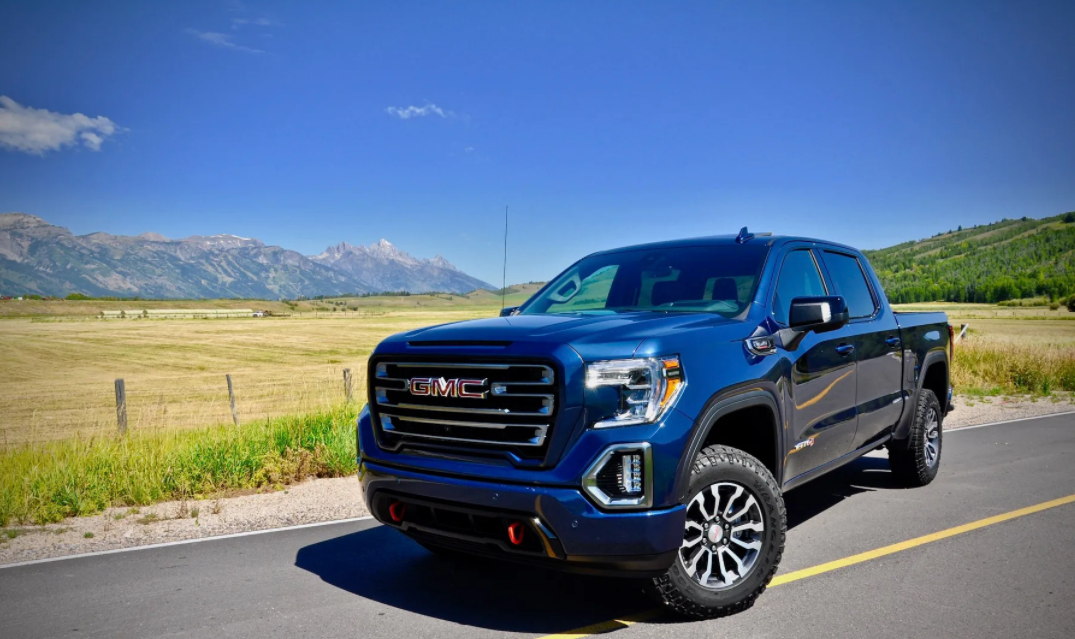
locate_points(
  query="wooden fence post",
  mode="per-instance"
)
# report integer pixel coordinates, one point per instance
(231, 398)
(121, 406)
(347, 387)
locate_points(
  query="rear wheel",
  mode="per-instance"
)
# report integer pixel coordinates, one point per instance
(733, 537)
(915, 462)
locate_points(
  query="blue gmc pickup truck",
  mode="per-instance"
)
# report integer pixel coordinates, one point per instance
(643, 413)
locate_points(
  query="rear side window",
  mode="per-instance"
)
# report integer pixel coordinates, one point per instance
(851, 283)
(799, 277)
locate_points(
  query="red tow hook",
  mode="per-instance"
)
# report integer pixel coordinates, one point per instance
(397, 510)
(516, 530)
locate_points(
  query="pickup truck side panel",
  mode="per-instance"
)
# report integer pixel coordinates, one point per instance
(826, 405)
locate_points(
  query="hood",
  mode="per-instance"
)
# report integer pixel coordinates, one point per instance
(592, 336)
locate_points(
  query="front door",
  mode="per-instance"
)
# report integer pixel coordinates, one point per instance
(820, 400)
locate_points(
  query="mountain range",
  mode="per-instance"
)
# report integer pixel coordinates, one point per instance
(38, 257)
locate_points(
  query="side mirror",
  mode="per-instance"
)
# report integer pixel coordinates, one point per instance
(818, 314)
(510, 310)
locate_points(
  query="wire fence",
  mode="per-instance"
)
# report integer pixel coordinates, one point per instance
(176, 402)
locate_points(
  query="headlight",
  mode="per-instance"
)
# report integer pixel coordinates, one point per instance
(647, 387)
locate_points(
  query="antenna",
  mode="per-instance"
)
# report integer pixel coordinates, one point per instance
(744, 236)
(504, 281)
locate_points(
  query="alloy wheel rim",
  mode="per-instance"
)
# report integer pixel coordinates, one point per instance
(932, 437)
(722, 538)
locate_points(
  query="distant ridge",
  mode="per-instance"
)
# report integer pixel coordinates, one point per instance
(383, 267)
(38, 257)
(1010, 259)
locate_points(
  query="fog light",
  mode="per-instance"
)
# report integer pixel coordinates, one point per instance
(631, 473)
(622, 477)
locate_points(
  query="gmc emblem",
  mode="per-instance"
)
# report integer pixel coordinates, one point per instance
(433, 386)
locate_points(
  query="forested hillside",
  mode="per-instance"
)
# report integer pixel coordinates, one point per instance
(1010, 259)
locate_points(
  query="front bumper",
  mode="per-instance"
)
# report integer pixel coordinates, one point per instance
(574, 535)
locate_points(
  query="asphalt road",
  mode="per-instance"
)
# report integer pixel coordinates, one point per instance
(1010, 579)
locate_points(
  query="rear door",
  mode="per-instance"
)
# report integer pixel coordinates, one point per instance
(878, 352)
(820, 402)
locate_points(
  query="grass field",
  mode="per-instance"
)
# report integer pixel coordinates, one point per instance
(341, 306)
(48, 482)
(61, 457)
(1010, 350)
(59, 370)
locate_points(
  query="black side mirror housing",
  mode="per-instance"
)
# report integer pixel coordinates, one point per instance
(510, 310)
(818, 314)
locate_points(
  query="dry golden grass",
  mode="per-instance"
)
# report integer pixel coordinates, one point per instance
(333, 307)
(58, 376)
(966, 312)
(1015, 356)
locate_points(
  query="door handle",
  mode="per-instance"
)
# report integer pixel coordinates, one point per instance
(845, 349)
(892, 341)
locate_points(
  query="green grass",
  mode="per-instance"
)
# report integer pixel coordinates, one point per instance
(47, 482)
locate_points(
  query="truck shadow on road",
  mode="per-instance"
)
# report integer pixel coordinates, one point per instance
(865, 474)
(381, 565)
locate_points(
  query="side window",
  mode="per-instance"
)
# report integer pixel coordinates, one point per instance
(799, 277)
(850, 282)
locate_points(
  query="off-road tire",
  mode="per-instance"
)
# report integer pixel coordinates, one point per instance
(679, 592)
(907, 458)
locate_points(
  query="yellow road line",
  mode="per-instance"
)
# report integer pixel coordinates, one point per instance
(606, 626)
(917, 541)
(624, 622)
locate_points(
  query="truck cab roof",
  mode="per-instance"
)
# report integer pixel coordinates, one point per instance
(724, 240)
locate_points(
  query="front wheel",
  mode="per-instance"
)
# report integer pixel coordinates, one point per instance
(732, 540)
(915, 461)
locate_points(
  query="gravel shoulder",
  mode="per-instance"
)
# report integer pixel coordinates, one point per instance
(313, 501)
(321, 500)
(971, 411)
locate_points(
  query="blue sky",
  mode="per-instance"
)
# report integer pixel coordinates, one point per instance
(599, 123)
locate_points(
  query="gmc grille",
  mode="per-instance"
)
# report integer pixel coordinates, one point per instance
(482, 408)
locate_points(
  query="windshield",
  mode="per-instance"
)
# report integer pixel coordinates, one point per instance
(709, 279)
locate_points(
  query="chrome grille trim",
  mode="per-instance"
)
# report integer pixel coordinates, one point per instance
(521, 400)
(535, 442)
(454, 422)
(549, 377)
(458, 409)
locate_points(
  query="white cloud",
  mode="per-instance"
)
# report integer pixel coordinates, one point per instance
(39, 131)
(408, 112)
(220, 40)
(252, 22)
(469, 149)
